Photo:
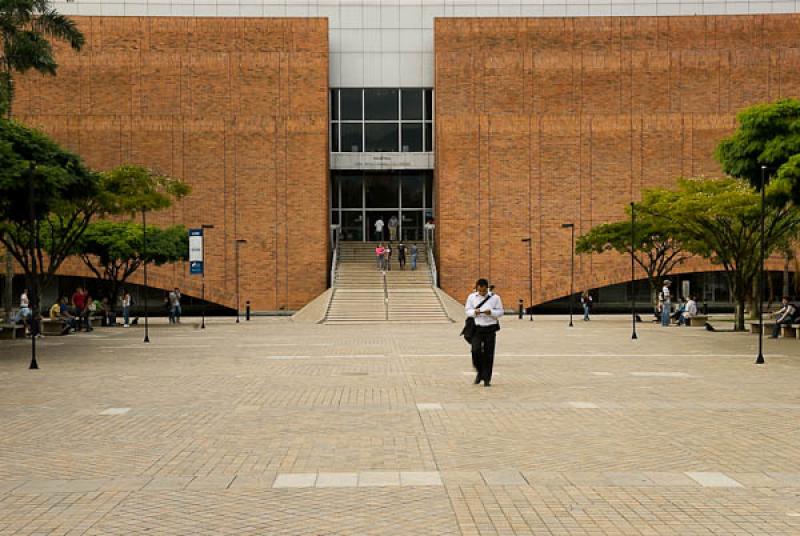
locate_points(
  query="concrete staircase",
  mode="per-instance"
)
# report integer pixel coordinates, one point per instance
(364, 294)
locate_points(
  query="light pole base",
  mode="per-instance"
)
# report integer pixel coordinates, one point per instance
(634, 336)
(146, 338)
(760, 359)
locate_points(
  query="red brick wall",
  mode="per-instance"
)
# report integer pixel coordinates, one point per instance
(546, 121)
(238, 108)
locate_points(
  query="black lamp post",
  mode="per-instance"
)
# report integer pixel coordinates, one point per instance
(633, 275)
(33, 302)
(204, 226)
(530, 273)
(239, 242)
(571, 227)
(760, 358)
(144, 256)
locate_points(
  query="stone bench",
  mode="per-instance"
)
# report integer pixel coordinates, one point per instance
(790, 331)
(12, 331)
(52, 327)
(697, 321)
(767, 327)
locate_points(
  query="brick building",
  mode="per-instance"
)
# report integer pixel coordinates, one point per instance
(501, 121)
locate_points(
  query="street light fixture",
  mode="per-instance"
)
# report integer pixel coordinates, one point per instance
(571, 227)
(33, 303)
(530, 272)
(633, 275)
(144, 256)
(239, 242)
(204, 226)
(760, 358)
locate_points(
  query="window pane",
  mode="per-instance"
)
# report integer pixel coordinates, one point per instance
(350, 103)
(351, 137)
(412, 227)
(352, 226)
(412, 137)
(335, 137)
(428, 104)
(428, 137)
(412, 191)
(381, 137)
(382, 192)
(412, 104)
(351, 191)
(334, 105)
(380, 104)
(334, 194)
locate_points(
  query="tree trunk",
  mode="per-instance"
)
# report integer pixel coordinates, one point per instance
(739, 319)
(786, 260)
(8, 291)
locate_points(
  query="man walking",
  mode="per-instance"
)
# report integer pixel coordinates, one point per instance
(175, 305)
(414, 256)
(486, 309)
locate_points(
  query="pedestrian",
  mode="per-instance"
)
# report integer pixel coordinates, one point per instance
(387, 258)
(586, 302)
(666, 303)
(414, 256)
(783, 316)
(126, 309)
(393, 223)
(401, 255)
(486, 309)
(78, 306)
(24, 312)
(379, 229)
(168, 307)
(176, 304)
(379, 251)
(88, 311)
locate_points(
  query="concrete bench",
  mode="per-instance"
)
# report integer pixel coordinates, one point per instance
(12, 331)
(767, 328)
(789, 331)
(697, 321)
(52, 327)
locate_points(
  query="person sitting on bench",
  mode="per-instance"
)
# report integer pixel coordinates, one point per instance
(783, 316)
(689, 312)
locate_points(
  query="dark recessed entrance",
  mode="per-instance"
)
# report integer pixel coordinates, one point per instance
(359, 199)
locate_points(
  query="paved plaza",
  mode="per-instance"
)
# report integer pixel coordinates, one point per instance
(276, 427)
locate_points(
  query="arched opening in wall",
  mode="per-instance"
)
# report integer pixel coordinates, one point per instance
(709, 288)
(64, 286)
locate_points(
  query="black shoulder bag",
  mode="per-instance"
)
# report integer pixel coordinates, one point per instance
(469, 323)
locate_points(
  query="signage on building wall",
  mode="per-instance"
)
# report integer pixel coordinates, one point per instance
(195, 251)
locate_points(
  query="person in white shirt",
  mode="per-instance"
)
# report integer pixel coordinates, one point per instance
(486, 309)
(666, 309)
(691, 310)
(24, 308)
(379, 229)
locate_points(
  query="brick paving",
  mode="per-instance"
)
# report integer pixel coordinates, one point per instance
(275, 427)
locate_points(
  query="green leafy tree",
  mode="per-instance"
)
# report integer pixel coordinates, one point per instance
(768, 135)
(654, 247)
(26, 28)
(113, 251)
(47, 197)
(719, 219)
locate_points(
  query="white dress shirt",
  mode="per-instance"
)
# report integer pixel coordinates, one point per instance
(665, 293)
(493, 304)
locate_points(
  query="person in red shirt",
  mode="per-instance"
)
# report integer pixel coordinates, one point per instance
(79, 305)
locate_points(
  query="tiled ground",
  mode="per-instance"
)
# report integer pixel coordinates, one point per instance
(271, 427)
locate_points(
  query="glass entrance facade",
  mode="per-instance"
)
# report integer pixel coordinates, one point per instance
(359, 199)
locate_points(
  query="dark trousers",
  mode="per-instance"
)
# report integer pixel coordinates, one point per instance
(776, 330)
(483, 352)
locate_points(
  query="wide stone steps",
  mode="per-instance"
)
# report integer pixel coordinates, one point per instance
(362, 294)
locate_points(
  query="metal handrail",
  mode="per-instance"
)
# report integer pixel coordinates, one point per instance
(334, 263)
(432, 264)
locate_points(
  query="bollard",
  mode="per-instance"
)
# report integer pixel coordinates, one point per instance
(705, 308)
(521, 309)
(247, 310)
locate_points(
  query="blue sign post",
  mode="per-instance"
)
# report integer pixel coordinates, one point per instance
(196, 251)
